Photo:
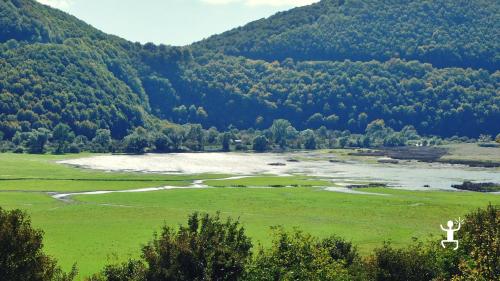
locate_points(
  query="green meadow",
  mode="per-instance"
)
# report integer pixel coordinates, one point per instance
(94, 230)
(24, 172)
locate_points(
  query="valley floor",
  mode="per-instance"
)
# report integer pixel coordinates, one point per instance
(95, 230)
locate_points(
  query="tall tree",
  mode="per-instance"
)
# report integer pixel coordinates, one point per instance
(260, 143)
(279, 131)
(37, 139)
(62, 135)
(137, 142)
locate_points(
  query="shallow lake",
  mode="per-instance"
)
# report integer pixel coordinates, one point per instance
(341, 171)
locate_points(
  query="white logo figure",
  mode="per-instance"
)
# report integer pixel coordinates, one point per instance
(450, 233)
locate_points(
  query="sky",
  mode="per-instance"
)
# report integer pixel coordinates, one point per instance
(171, 22)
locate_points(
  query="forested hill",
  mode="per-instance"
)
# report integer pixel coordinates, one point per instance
(31, 22)
(56, 69)
(341, 95)
(445, 33)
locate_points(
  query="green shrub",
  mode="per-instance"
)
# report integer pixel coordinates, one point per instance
(205, 249)
(477, 258)
(21, 255)
(260, 143)
(129, 271)
(480, 245)
(296, 256)
(413, 263)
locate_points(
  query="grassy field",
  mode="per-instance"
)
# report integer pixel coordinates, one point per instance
(22, 172)
(472, 151)
(269, 181)
(98, 229)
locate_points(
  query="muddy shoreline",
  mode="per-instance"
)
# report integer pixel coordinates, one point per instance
(427, 154)
(411, 175)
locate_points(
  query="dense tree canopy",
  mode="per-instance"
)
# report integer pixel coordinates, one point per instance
(44, 84)
(29, 21)
(56, 69)
(344, 95)
(445, 33)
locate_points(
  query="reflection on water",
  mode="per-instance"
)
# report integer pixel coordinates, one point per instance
(407, 175)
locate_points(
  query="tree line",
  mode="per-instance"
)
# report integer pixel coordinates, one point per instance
(209, 247)
(166, 138)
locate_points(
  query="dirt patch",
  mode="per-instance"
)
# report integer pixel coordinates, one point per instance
(426, 154)
(406, 175)
(471, 163)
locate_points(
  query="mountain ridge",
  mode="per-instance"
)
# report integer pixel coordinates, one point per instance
(445, 33)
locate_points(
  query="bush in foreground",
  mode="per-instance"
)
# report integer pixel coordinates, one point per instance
(206, 249)
(130, 271)
(209, 248)
(300, 256)
(480, 250)
(415, 263)
(21, 255)
(478, 257)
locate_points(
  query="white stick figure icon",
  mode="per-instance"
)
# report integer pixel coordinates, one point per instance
(450, 233)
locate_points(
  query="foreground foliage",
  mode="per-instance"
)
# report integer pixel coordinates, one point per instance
(476, 259)
(206, 249)
(299, 256)
(481, 246)
(211, 249)
(21, 255)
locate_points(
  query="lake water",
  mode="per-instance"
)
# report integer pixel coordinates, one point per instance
(406, 175)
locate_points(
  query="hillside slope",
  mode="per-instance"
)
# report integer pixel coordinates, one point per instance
(444, 33)
(55, 69)
(341, 95)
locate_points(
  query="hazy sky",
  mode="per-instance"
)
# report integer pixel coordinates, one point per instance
(172, 22)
